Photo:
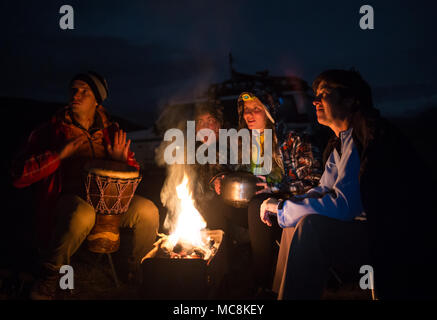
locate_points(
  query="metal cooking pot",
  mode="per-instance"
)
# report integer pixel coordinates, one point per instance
(237, 188)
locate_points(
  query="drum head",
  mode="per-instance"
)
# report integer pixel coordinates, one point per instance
(112, 169)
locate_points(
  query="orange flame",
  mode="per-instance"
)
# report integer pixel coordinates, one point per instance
(189, 222)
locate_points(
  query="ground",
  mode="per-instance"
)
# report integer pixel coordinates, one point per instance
(93, 280)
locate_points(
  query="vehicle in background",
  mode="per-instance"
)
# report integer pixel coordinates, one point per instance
(295, 111)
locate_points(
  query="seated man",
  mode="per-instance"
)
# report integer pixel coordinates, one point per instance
(54, 159)
(358, 215)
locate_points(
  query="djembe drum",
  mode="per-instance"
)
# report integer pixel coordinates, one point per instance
(110, 186)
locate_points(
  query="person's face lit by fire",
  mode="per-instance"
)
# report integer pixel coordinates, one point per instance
(331, 109)
(207, 121)
(82, 99)
(254, 114)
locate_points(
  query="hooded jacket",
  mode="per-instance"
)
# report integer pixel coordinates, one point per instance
(39, 164)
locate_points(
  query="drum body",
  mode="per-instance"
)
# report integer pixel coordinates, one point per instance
(109, 187)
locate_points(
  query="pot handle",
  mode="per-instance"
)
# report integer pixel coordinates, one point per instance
(211, 181)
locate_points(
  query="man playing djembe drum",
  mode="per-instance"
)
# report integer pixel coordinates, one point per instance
(54, 160)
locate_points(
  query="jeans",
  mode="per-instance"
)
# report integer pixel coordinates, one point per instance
(76, 218)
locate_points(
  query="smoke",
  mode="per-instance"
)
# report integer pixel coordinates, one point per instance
(175, 110)
(205, 69)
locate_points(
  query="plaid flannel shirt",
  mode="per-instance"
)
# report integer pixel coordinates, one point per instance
(302, 163)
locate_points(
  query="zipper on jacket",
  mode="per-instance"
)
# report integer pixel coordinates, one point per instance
(92, 148)
(87, 133)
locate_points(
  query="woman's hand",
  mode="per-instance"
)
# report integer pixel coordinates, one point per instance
(264, 185)
(120, 149)
(268, 210)
(217, 184)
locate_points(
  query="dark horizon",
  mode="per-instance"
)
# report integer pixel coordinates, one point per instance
(154, 53)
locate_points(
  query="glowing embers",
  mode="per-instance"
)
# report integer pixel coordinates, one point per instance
(163, 248)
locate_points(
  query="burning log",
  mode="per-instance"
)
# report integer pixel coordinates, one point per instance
(163, 247)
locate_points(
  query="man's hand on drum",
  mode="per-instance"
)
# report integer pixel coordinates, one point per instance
(71, 147)
(269, 210)
(120, 149)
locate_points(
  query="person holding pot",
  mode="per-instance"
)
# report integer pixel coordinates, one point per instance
(296, 168)
(218, 214)
(207, 178)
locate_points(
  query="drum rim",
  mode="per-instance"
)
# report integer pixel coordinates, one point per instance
(140, 177)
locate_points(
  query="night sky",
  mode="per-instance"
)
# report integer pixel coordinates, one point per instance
(155, 52)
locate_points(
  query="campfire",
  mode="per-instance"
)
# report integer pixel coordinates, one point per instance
(189, 238)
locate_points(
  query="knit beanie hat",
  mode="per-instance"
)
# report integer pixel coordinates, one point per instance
(97, 83)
